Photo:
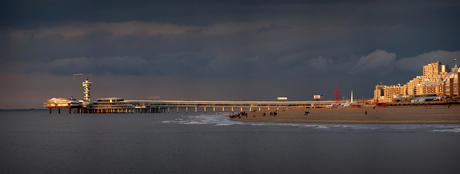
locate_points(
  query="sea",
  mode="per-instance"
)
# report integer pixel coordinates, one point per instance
(39, 142)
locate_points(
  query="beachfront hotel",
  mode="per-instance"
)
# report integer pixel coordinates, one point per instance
(436, 80)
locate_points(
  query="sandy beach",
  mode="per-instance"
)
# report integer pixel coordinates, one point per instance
(440, 114)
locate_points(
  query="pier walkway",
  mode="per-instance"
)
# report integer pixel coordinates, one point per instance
(166, 105)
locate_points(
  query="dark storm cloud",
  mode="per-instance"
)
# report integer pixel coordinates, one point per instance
(32, 14)
(198, 52)
(290, 46)
(29, 14)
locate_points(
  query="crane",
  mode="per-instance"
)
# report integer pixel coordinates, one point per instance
(73, 76)
(86, 84)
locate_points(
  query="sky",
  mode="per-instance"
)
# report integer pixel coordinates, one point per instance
(218, 50)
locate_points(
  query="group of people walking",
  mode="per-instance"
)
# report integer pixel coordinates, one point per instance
(271, 113)
(239, 115)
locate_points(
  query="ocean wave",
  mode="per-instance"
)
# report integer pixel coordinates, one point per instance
(455, 130)
(221, 120)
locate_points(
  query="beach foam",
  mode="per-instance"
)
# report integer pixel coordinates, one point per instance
(221, 120)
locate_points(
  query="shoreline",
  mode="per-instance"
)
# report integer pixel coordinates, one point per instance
(434, 114)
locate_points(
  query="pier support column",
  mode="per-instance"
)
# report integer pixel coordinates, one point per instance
(59, 111)
(250, 109)
(186, 109)
(232, 109)
(259, 108)
(168, 109)
(214, 109)
(223, 109)
(195, 109)
(177, 109)
(70, 110)
(241, 109)
(205, 109)
(50, 110)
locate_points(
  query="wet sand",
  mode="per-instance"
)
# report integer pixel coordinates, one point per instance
(440, 114)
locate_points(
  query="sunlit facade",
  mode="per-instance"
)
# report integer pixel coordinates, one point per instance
(436, 80)
(61, 103)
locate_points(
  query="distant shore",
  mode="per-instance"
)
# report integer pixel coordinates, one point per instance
(438, 114)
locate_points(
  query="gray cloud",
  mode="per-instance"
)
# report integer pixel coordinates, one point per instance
(271, 27)
(379, 61)
(415, 64)
(112, 65)
(320, 63)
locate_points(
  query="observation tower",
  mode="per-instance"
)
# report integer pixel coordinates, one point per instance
(86, 84)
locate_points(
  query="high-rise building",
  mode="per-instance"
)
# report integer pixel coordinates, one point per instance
(393, 90)
(379, 92)
(451, 84)
(428, 84)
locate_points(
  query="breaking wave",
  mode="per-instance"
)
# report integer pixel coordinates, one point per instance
(221, 120)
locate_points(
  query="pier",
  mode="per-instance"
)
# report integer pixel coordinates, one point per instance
(118, 105)
(233, 106)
